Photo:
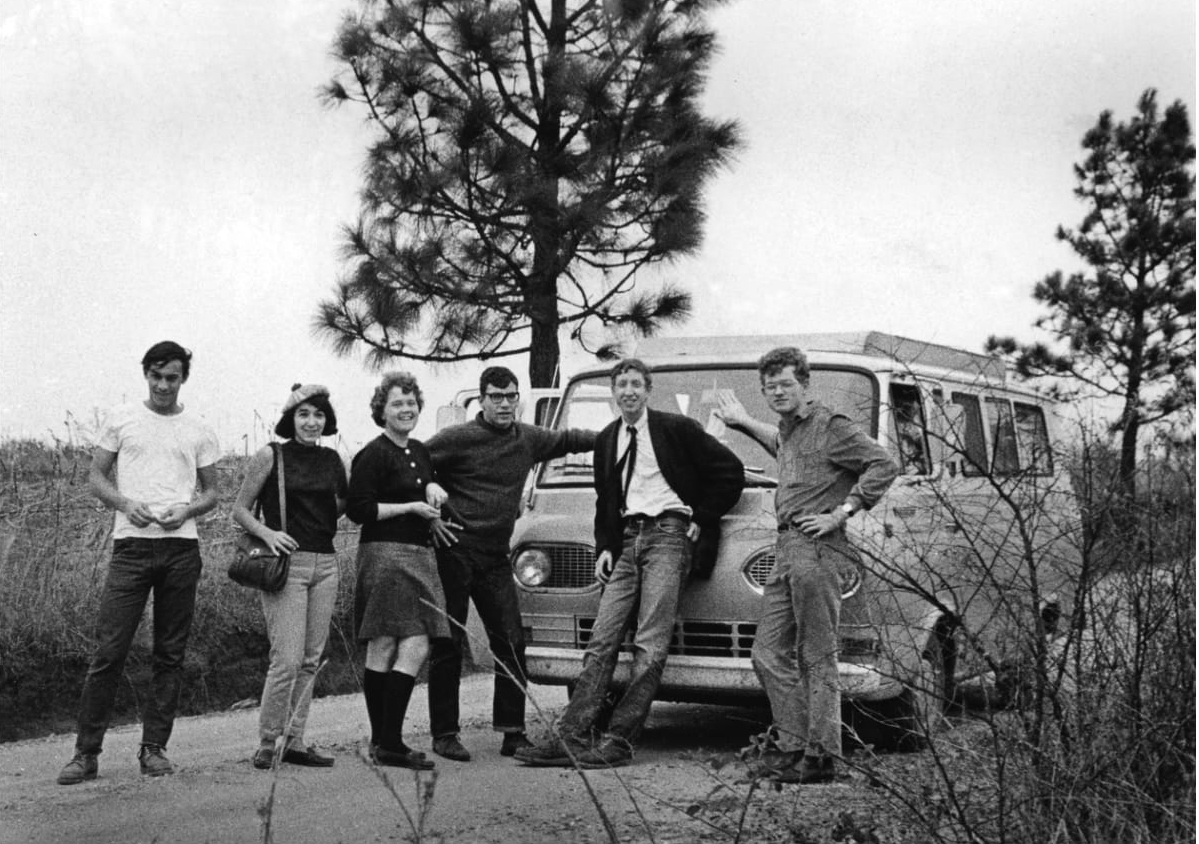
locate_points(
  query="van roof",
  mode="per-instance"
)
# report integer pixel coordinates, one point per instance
(901, 350)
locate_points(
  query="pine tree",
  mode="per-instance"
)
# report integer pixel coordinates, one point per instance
(1128, 323)
(530, 159)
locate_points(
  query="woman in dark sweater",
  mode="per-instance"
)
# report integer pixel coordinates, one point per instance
(297, 616)
(399, 604)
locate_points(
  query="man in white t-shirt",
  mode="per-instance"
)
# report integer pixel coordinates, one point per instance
(145, 467)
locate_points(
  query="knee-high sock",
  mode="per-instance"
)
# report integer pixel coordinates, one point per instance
(374, 690)
(399, 690)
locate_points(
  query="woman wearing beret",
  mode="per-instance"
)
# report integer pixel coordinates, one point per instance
(399, 604)
(297, 616)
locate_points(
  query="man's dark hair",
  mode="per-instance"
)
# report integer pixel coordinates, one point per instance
(160, 354)
(633, 365)
(286, 428)
(498, 377)
(776, 360)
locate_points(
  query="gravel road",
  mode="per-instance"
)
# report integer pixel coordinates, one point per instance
(217, 796)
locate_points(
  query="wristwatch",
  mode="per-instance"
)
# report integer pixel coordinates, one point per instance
(848, 509)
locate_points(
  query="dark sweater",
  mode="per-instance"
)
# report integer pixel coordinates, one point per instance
(384, 473)
(315, 478)
(483, 469)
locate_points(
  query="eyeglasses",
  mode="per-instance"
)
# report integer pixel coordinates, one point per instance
(512, 397)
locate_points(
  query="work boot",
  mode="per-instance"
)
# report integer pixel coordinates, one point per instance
(451, 748)
(611, 752)
(154, 761)
(514, 742)
(549, 754)
(82, 767)
(811, 770)
(264, 756)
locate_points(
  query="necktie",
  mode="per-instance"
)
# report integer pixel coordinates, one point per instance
(626, 462)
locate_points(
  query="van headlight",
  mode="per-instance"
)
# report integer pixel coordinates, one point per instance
(532, 567)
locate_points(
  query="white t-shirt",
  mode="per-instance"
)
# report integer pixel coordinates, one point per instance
(157, 461)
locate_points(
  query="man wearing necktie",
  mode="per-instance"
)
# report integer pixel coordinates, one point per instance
(662, 484)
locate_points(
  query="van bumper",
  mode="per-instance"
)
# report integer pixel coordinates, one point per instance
(696, 678)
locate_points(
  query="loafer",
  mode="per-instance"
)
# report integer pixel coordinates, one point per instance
(264, 757)
(451, 748)
(82, 767)
(153, 761)
(609, 753)
(811, 770)
(306, 756)
(407, 758)
(514, 742)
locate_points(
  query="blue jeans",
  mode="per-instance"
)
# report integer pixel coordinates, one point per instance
(795, 648)
(645, 585)
(482, 575)
(170, 569)
(297, 623)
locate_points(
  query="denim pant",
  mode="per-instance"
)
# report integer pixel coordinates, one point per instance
(484, 576)
(645, 585)
(170, 569)
(795, 649)
(297, 622)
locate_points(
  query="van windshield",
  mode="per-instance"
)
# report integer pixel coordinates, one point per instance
(694, 392)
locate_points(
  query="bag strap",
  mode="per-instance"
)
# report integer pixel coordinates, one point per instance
(282, 494)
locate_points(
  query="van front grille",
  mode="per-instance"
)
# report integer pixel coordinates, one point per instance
(693, 638)
(572, 566)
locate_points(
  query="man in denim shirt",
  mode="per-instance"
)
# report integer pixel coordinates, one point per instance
(828, 470)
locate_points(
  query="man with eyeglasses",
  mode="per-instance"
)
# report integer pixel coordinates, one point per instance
(828, 470)
(483, 464)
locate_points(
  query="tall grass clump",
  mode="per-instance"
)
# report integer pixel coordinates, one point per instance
(1087, 733)
(55, 545)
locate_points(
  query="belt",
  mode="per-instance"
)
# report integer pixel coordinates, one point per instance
(791, 525)
(640, 519)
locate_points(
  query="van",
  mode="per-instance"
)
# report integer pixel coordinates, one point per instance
(968, 561)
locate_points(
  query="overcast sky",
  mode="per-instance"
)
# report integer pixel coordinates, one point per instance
(166, 171)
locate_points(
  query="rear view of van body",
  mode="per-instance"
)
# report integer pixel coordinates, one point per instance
(968, 560)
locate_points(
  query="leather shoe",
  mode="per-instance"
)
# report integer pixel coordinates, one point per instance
(407, 758)
(514, 742)
(609, 753)
(551, 754)
(264, 756)
(811, 770)
(306, 756)
(451, 748)
(83, 766)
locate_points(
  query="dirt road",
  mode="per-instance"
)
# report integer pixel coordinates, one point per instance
(217, 796)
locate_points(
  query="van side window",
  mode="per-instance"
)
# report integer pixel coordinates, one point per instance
(908, 430)
(1032, 437)
(543, 413)
(1006, 457)
(974, 447)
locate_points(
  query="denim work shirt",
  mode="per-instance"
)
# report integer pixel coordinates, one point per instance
(825, 461)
